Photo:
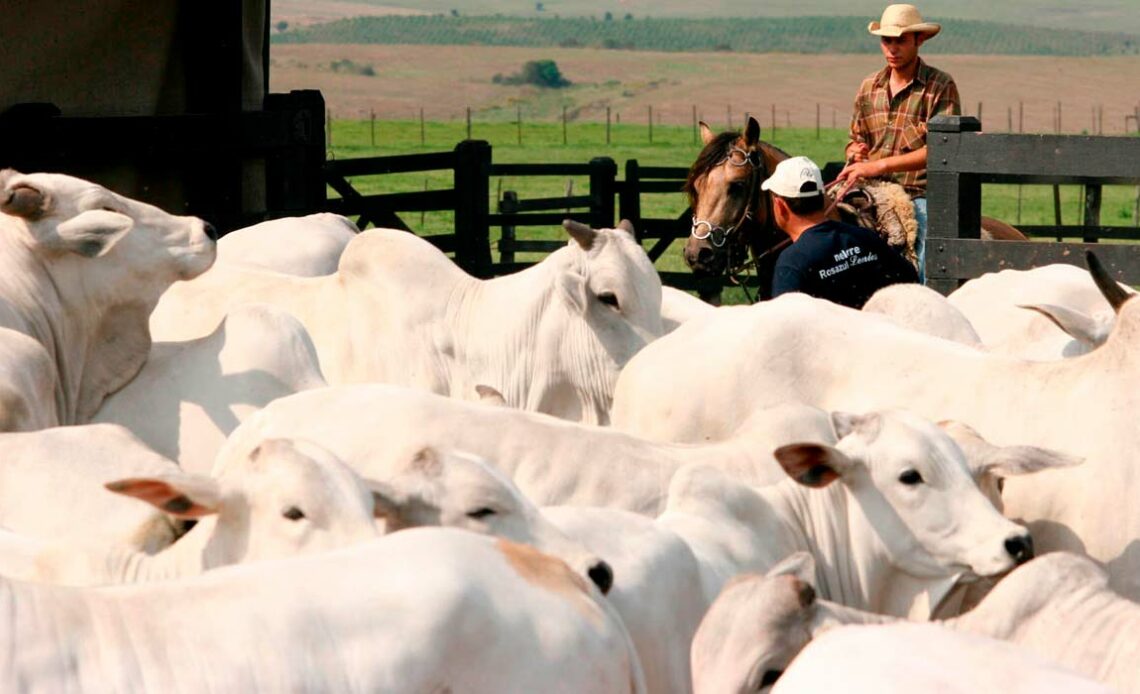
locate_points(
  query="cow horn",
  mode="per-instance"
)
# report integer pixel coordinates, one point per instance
(1112, 291)
(580, 232)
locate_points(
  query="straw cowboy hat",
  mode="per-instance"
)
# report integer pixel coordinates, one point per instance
(902, 19)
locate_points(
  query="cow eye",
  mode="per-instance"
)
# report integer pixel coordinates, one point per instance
(770, 677)
(293, 513)
(910, 477)
(480, 513)
(609, 299)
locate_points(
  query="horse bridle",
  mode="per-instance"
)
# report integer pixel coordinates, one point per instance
(716, 234)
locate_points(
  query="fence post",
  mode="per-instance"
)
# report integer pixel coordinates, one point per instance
(817, 120)
(603, 185)
(468, 122)
(518, 116)
(372, 124)
(696, 138)
(472, 207)
(954, 199)
(423, 132)
(629, 195)
(1092, 212)
(607, 125)
(295, 178)
(563, 125)
(509, 204)
(650, 125)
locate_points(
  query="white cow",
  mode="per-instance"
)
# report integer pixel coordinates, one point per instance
(1069, 315)
(459, 490)
(903, 524)
(658, 587)
(551, 338)
(907, 658)
(551, 460)
(29, 383)
(308, 246)
(678, 307)
(289, 497)
(1058, 607)
(424, 610)
(925, 310)
(51, 487)
(191, 395)
(83, 268)
(806, 350)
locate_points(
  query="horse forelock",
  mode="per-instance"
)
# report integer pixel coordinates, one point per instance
(709, 157)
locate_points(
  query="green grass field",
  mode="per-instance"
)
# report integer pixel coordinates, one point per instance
(671, 146)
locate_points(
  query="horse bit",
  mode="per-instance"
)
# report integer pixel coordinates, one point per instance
(717, 234)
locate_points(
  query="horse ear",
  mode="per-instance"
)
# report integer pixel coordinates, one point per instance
(752, 132)
(707, 135)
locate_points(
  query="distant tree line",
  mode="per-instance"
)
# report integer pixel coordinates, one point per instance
(787, 34)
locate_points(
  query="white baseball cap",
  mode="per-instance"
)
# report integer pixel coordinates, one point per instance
(797, 177)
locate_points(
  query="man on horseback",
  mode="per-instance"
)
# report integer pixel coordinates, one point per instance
(829, 260)
(888, 126)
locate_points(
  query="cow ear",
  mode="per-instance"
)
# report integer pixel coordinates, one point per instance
(572, 287)
(844, 424)
(23, 200)
(89, 234)
(1080, 326)
(800, 564)
(812, 464)
(180, 495)
(707, 135)
(752, 132)
(627, 226)
(984, 458)
(490, 396)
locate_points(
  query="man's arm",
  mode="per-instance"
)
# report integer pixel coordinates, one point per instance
(858, 147)
(910, 161)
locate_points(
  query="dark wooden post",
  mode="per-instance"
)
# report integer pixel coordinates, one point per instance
(603, 178)
(1092, 212)
(472, 207)
(509, 204)
(954, 200)
(294, 178)
(629, 196)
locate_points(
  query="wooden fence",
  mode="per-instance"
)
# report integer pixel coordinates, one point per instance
(607, 199)
(962, 158)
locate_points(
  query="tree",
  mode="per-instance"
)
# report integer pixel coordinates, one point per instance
(282, 25)
(609, 17)
(544, 73)
(538, 7)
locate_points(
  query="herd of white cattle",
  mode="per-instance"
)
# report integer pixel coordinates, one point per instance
(356, 468)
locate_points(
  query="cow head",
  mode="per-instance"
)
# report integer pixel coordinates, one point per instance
(914, 495)
(69, 216)
(462, 491)
(610, 294)
(754, 628)
(287, 497)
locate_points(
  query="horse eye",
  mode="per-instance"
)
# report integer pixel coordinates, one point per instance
(770, 677)
(737, 187)
(293, 513)
(608, 299)
(910, 477)
(480, 513)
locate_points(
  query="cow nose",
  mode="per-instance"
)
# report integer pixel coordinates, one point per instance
(210, 230)
(602, 576)
(1020, 548)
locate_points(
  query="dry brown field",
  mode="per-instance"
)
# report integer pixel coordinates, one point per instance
(445, 80)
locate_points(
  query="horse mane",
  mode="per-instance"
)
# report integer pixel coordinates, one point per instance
(711, 155)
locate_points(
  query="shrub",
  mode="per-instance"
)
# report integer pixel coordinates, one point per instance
(541, 73)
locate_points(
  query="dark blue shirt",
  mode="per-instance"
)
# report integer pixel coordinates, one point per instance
(841, 263)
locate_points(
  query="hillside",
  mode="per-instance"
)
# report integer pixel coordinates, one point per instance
(751, 35)
(1086, 15)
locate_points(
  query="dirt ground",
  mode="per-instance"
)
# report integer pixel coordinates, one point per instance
(445, 80)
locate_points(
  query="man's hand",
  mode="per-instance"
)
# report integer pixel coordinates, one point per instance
(861, 169)
(858, 151)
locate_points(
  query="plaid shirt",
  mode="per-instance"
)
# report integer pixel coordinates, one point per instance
(890, 126)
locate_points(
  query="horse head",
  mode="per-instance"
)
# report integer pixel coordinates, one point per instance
(731, 215)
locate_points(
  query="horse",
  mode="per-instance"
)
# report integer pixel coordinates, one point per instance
(732, 217)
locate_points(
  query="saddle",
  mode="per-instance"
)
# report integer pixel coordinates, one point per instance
(884, 208)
